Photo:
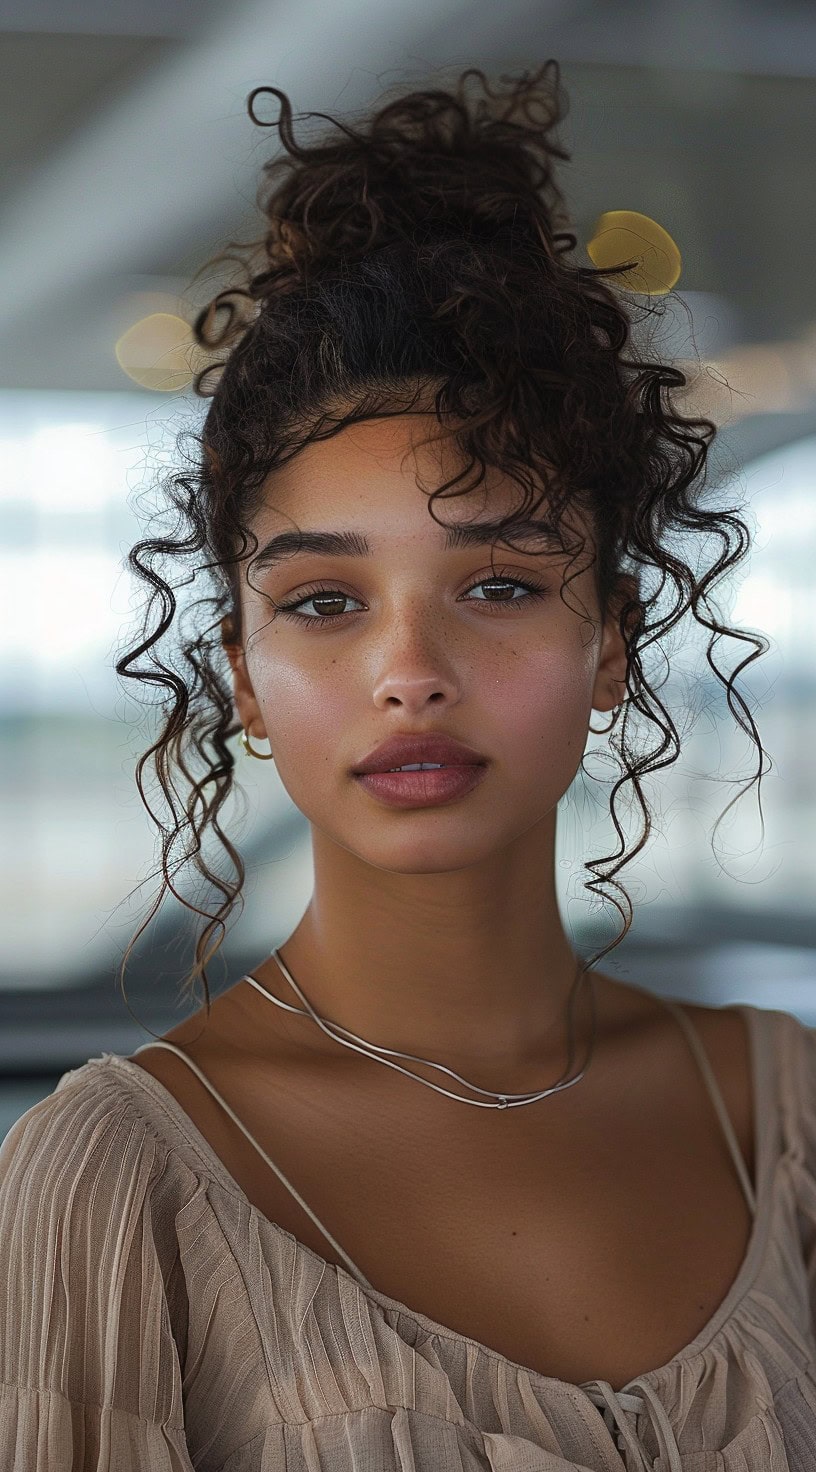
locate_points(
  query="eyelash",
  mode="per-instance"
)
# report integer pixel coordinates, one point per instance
(532, 590)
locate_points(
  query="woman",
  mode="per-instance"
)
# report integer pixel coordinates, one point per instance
(275, 1237)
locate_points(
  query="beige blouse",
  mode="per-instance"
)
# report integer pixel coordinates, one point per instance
(152, 1318)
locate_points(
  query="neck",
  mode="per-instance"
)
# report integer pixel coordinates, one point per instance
(470, 968)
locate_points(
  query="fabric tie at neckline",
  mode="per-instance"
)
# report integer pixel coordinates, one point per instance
(614, 1404)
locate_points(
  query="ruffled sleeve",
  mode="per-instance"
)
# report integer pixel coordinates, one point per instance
(89, 1300)
(796, 1063)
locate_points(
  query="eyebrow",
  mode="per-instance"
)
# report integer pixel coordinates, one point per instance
(356, 544)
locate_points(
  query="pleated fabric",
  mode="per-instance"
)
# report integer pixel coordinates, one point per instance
(152, 1318)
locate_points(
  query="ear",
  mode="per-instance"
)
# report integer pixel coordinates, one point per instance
(610, 677)
(246, 704)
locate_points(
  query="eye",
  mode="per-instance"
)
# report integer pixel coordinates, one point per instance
(324, 594)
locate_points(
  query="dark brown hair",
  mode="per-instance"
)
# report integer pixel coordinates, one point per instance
(421, 257)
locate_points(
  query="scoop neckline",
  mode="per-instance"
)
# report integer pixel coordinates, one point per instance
(765, 1138)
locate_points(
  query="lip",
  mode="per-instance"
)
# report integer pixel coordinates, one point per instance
(407, 748)
(423, 789)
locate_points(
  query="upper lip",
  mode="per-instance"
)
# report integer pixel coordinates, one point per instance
(404, 750)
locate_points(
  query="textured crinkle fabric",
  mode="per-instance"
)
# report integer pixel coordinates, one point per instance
(150, 1317)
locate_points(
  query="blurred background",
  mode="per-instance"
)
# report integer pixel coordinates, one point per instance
(127, 162)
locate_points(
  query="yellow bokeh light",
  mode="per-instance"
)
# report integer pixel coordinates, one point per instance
(625, 235)
(158, 352)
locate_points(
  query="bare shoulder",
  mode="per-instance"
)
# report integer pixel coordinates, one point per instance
(722, 1030)
(723, 1033)
(208, 1041)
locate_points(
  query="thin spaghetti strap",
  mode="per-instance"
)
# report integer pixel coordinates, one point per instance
(716, 1097)
(171, 1047)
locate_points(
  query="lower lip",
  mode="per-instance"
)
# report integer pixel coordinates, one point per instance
(422, 789)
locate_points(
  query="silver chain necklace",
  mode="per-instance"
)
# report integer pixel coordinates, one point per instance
(372, 1050)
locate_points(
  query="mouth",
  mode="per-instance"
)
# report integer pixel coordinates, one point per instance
(427, 787)
(412, 750)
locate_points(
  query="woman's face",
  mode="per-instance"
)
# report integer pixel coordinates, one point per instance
(429, 638)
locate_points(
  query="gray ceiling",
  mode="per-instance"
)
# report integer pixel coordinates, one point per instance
(127, 158)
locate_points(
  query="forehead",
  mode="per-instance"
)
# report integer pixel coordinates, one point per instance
(391, 453)
(377, 476)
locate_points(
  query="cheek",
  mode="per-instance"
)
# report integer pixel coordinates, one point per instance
(310, 712)
(545, 688)
(539, 709)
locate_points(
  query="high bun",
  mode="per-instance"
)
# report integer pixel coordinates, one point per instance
(427, 168)
(415, 261)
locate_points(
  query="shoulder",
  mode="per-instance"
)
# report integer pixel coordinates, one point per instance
(723, 1031)
(67, 1131)
(765, 1057)
(87, 1252)
(104, 1156)
(84, 1154)
(654, 1034)
(791, 1055)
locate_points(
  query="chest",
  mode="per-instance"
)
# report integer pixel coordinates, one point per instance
(583, 1236)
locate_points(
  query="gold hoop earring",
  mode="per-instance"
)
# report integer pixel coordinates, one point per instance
(262, 756)
(616, 712)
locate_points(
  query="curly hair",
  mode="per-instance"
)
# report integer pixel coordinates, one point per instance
(421, 257)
